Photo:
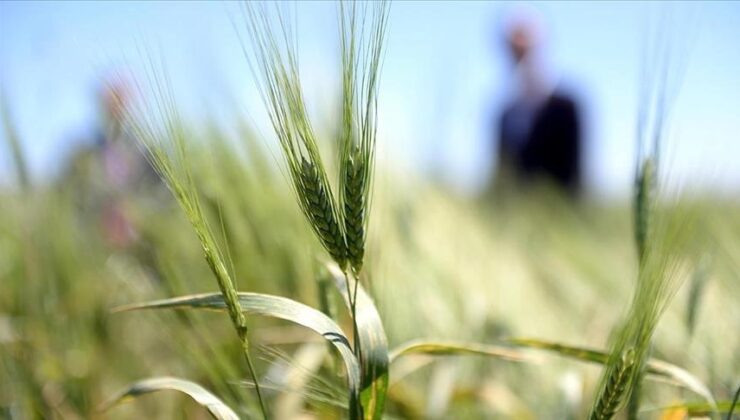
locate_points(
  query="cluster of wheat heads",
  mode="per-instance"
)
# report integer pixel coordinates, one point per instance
(339, 220)
(339, 223)
(338, 215)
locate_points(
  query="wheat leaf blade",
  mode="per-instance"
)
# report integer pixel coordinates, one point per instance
(374, 343)
(271, 306)
(456, 349)
(210, 402)
(656, 369)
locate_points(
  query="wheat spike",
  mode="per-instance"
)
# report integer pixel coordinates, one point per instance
(644, 196)
(362, 52)
(613, 394)
(320, 211)
(354, 211)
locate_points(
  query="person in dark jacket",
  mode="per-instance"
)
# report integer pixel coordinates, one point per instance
(539, 130)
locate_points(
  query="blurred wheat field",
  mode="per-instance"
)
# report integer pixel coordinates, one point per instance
(523, 306)
(443, 267)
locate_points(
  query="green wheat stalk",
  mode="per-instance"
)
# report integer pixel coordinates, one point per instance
(159, 129)
(362, 53)
(340, 225)
(659, 278)
(659, 84)
(275, 65)
(361, 60)
(645, 186)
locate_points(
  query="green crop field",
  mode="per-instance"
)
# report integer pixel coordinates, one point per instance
(302, 279)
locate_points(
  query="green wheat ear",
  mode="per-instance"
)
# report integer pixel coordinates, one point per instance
(361, 62)
(339, 224)
(320, 212)
(614, 393)
(275, 64)
(158, 127)
(644, 197)
(660, 276)
(354, 210)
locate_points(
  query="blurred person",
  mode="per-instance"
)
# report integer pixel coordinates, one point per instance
(107, 174)
(539, 130)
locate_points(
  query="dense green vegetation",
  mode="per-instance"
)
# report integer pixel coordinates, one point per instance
(512, 306)
(442, 267)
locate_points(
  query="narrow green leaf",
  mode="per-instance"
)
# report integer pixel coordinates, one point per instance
(450, 348)
(276, 307)
(215, 406)
(455, 349)
(374, 344)
(656, 369)
(579, 353)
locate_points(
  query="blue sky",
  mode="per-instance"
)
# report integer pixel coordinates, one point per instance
(444, 77)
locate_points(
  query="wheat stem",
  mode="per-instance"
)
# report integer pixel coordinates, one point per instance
(352, 296)
(253, 373)
(231, 298)
(173, 167)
